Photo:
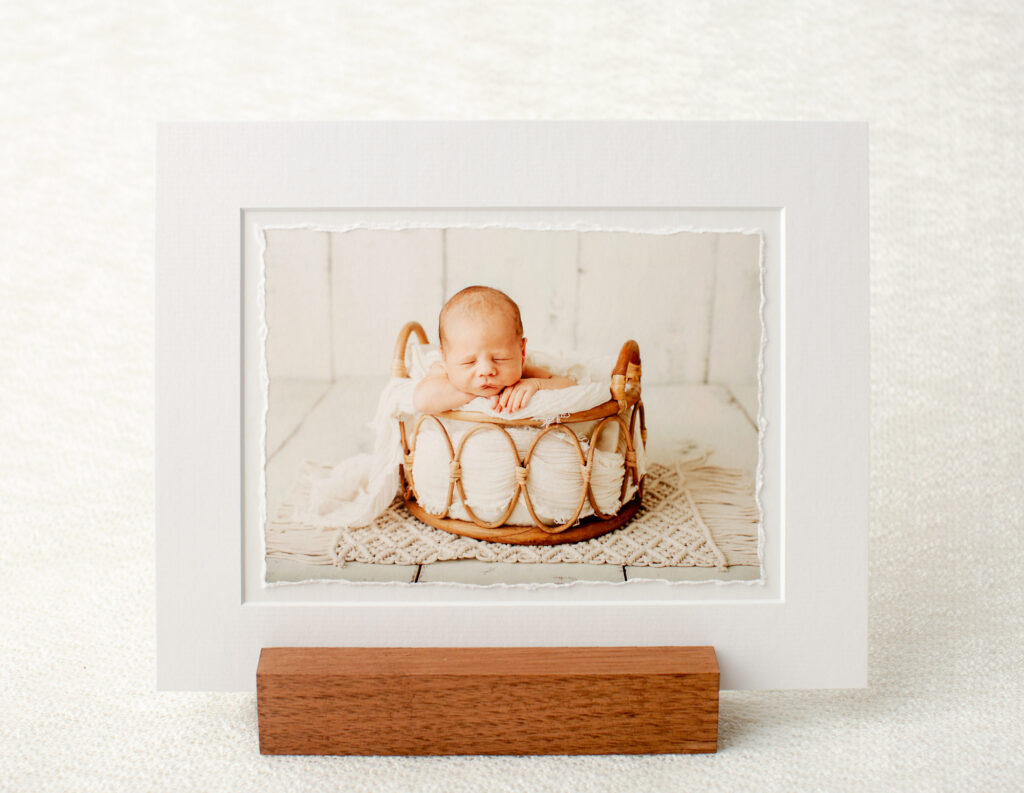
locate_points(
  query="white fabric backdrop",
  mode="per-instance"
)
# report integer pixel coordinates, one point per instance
(83, 87)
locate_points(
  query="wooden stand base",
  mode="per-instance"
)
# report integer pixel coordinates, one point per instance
(487, 700)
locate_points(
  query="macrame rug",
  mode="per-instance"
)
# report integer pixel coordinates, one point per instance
(693, 515)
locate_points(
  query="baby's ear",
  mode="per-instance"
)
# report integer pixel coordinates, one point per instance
(524, 347)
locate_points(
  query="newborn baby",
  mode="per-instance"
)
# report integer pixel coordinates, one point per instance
(483, 353)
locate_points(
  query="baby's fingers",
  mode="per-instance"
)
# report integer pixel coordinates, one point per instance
(506, 399)
(523, 397)
(503, 398)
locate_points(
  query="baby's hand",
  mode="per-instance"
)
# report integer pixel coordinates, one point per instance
(515, 397)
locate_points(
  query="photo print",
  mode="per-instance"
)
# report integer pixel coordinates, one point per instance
(599, 416)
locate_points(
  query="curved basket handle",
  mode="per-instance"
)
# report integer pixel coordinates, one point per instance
(398, 367)
(626, 375)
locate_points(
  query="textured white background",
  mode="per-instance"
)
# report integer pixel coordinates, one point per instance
(83, 85)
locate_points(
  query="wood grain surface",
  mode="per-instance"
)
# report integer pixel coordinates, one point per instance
(487, 700)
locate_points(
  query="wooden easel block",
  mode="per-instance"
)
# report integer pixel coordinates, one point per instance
(487, 700)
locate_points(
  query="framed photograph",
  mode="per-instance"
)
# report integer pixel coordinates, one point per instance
(675, 451)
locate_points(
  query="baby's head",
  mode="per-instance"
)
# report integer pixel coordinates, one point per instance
(482, 340)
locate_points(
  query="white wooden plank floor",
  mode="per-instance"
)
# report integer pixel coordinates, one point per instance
(310, 420)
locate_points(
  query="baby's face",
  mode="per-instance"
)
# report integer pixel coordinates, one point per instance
(482, 355)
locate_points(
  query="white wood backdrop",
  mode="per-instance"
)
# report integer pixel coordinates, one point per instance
(336, 300)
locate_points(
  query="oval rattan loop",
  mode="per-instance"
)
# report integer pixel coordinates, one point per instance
(451, 456)
(590, 461)
(404, 470)
(462, 489)
(638, 408)
(585, 468)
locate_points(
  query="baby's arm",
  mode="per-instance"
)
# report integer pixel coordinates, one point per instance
(535, 378)
(436, 394)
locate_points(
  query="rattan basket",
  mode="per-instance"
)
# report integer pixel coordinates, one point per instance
(624, 409)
